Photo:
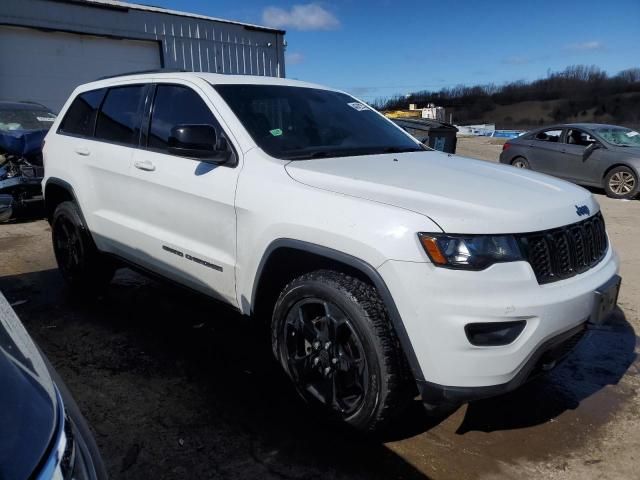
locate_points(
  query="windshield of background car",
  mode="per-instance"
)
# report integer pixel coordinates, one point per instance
(620, 136)
(297, 123)
(25, 119)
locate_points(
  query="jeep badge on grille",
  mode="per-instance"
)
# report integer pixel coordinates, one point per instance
(582, 210)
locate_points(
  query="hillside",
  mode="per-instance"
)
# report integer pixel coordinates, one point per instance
(577, 94)
(524, 115)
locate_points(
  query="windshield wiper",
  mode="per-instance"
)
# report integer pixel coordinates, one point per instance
(401, 149)
(308, 156)
(351, 152)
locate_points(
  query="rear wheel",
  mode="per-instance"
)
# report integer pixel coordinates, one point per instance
(332, 336)
(82, 266)
(520, 162)
(621, 182)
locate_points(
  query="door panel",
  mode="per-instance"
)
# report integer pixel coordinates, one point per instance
(102, 161)
(577, 167)
(545, 151)
(184, 210)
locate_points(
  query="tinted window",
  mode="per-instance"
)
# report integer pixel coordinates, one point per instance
(119, 117)
(81, 116)
(549, 135)
(299, 123)
(176, 105)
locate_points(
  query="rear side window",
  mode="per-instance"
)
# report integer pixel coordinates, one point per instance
(176, 105)
(81, 116)
(549, 136)
(119, 117)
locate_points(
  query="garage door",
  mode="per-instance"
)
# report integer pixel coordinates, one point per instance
(45, 67)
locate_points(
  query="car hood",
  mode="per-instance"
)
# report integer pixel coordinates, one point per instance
(28, 402)
(22, 142)
(460, 194)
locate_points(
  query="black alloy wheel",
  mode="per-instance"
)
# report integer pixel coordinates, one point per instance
(325, 356)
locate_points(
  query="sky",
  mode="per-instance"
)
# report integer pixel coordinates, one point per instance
(380, 48)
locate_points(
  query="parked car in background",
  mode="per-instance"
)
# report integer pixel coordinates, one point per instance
(43, 435)
(23, 126)
(591, 154)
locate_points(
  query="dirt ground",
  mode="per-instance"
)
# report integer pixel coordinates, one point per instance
(176, 386)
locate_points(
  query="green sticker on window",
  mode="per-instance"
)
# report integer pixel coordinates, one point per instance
(276, 132)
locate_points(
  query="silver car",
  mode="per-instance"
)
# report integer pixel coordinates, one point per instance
(597, 155)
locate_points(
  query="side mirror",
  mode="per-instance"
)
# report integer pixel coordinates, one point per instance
(590, 149)
(199, 141)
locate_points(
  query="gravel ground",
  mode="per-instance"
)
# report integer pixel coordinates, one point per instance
(176, 386)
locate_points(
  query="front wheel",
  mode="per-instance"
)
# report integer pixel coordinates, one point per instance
(621, 182)
(332, 335)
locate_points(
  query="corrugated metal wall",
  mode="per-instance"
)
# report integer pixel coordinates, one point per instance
(187, 42)
(194, 45)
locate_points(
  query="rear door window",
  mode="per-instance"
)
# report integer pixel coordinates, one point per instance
(176, 105)
(119, 117)
(552, 136)
(80, 118)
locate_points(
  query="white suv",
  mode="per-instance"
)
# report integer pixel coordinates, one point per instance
(382, 265)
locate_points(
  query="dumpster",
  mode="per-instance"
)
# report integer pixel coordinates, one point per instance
(438, 135)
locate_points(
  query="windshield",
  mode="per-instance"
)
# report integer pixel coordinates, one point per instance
(25, 119)
(620, 136)
(297, 123)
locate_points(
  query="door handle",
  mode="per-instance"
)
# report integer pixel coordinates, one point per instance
(84, 151)
(145, 165)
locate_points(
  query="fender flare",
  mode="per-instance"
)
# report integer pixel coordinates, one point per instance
(58, 182)
(363, 267)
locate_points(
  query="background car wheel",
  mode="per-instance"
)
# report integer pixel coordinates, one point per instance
(520, 162)
(332, 335)
(82, 266)
(621, 182)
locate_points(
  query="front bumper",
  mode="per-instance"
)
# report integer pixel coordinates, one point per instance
(435, 304)
(70, 456)
(545, 358)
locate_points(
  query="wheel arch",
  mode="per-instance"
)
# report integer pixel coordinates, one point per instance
(301, 257)
(619, 164)
(55, 192)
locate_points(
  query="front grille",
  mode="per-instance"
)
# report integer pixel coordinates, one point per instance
(567, 251)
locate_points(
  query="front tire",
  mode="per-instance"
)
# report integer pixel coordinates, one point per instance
(622, 183)
(82, 266)
(332, 335)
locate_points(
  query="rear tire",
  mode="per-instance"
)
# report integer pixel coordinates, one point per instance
(622, 183)
(331, 334)
(82, 266)
(521, 162)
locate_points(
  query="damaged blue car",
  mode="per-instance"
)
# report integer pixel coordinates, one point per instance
(23, 126)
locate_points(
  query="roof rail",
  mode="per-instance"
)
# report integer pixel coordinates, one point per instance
(157, 70)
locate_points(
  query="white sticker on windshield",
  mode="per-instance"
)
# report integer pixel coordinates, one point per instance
(632, 134)
(46, 119)
(358, 106)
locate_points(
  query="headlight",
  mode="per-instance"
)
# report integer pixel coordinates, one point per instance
(469, 252)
